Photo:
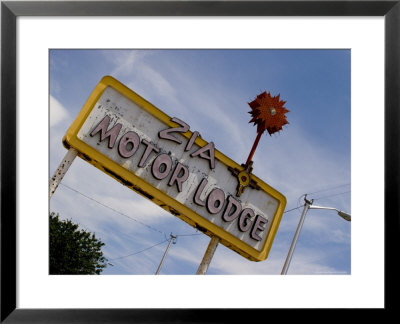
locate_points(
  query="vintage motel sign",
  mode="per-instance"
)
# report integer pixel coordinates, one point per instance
(159, 157)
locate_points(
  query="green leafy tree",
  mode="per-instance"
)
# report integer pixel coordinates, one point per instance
(74, 251)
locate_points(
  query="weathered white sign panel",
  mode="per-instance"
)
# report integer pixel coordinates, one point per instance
(162, 159)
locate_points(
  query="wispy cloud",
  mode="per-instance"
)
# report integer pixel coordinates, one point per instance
(124, 61)
(57, 112)
(131, 67)
(188, 102)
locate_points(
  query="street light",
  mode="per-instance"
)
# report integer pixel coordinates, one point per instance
(308, 205)
(340, 213)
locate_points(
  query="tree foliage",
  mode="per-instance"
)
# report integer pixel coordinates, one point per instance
(74, 251)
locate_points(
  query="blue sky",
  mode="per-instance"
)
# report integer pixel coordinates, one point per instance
(209, 90)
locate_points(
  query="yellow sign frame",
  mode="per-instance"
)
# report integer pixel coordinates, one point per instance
(147, 190)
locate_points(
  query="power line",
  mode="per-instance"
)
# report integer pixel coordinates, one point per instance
(342, 193)
(131, 254)
(286, 211)
(331, 188)
(134, 253)
(131, 218)
(114, 210)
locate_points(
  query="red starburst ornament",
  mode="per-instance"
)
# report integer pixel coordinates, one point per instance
(268, 113)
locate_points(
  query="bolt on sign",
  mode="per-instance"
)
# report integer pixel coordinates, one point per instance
(162, 159)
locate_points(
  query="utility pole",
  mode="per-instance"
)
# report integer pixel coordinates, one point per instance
(308, 204)
(172, 239)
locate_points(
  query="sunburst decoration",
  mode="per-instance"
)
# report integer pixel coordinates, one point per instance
(268, 113)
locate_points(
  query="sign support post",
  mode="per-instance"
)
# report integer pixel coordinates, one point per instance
(212, 246)
(62, 170)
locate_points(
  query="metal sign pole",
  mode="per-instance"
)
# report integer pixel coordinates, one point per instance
(62, 170)
(212, 246)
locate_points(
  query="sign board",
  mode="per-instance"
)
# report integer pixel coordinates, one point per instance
(162, 159)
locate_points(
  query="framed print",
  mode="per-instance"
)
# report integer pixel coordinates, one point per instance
(188, 71)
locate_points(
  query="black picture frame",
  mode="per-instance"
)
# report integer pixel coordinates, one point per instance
(10, 10)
